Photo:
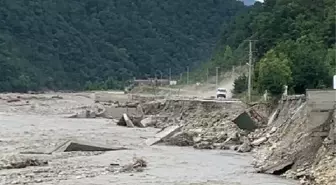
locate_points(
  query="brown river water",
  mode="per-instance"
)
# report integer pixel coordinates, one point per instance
(166, 164)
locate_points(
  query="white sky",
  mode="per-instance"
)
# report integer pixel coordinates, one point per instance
(260, 0)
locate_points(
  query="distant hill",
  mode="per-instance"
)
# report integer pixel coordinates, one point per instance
(92, 44)
(295, 44)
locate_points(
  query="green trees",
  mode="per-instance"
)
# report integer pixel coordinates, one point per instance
(331, 59)
(224, 58)
(102, 43)
(79, 43)
(274, 72)
(310, 67)
(240, 84)
(296, 43)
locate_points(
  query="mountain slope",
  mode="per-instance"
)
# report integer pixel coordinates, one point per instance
(299, 35)
(102, 43)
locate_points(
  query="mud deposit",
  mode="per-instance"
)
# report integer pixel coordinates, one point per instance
(22, 131)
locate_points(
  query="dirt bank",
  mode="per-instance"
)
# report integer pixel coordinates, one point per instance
(302, 144)
(205, 124)
(297, 142)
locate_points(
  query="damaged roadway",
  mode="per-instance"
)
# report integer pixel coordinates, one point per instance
(205, 125)
(295, 140)
(303, 141)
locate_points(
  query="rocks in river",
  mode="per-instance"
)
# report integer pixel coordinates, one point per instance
(246, 146)
(138, 165)
(20, 161)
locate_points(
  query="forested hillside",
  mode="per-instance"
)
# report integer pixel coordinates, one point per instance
(295, 44)
(49, 44)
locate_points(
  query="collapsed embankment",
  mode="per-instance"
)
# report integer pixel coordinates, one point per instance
(301, 144)
(206, 124)
(297, 141)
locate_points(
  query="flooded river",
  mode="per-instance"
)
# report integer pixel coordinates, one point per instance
(166, 165)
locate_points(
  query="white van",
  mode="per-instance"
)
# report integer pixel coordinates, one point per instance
(221, 93)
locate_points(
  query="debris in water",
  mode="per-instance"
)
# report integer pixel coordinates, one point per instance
(204, 145)
(13, 100)
(138, 165)
(165, 133)
(91, 112)
(18, 161)
(277, 169)
(136, 120)
(245, 122)
(57, 97)
(128, 104)
(148, 122)
(84, 114)
(259, 141)
(181, 139)
(125, 121)
(245, 147)
(70, 146)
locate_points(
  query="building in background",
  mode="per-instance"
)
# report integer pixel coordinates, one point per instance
(158, 82)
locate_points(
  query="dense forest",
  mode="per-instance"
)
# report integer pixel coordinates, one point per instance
(77, 44)
(48, 44)
(294, 44)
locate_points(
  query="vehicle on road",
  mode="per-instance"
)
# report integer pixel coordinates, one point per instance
(221, 93)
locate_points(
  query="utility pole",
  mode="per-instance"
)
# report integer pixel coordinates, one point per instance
(154, 84)
(250, 70)
(169, 75)
(217, 77)
(207, 81)
(161, 76)
(170, 90)
(187, 75)
(233, 71)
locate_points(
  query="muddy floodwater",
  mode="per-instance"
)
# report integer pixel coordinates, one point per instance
(166, 165)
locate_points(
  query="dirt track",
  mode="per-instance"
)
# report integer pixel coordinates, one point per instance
(22, 129)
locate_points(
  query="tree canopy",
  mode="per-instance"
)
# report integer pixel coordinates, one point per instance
(48, 44)
(301, 32)
(274, 72)
(102, 43)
